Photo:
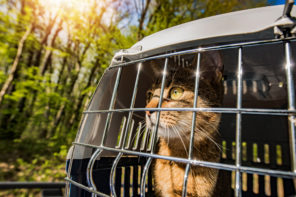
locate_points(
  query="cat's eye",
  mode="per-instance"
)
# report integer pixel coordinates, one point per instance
(176, 93)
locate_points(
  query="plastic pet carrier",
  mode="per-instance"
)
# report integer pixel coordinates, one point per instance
(114, 151)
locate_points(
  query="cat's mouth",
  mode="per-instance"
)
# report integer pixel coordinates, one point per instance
(151, 122)
(166, 130)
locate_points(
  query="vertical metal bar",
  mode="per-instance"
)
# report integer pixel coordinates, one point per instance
(154, 134)
(98, 151)
(238, 186)
(184, 191)
(112, 175)
(122, 144)
(155, 130)
(291, 105)
(111, 105)
(130, 114)
(89, 170)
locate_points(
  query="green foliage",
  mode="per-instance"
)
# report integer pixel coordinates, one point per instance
(33, 161)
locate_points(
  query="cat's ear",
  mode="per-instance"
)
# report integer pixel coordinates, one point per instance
(211, 67)
(157, 67)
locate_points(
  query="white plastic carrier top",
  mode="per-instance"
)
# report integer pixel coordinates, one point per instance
(231, 27)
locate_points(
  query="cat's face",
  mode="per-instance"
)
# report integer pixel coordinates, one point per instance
(179, 93)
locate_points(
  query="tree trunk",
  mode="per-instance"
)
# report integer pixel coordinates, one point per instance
(48, 52)
(45, 39)
(46, 58)
(142, 19)
(70, 90)
(15, 65)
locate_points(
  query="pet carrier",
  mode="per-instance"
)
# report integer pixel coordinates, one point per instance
(114, 153)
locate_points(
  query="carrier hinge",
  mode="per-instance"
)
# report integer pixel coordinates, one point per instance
(285, 26)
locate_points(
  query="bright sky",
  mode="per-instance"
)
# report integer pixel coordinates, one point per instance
(54, 5)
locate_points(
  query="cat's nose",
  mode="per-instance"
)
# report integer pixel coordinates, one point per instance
(149, 113)
(152, 104)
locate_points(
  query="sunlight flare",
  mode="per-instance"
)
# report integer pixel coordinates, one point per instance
(55, 5)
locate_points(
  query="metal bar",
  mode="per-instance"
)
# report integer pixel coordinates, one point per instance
(130, 114)
(111, 106)
(203, 49)
(67, 192)
(41, 185)
(89, 170)
(276, 112)
(126, 130)
(144, 175)
(238, 186)
(219, 166)
(112, 175)
(155, 130)
(91, 162)
(291, 105)
(154, 133)
(184, 191)
(69, 168)
(86, 188)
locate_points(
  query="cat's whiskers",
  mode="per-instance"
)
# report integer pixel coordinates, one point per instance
(211, 125)
(167, 133)
(186, 135)
(176, 130)
(185, 123)
(202, 131)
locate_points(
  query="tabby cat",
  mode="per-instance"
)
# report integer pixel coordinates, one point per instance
(175, 126)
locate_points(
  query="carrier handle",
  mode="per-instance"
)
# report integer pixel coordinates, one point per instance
(285, 26)
(288, 8)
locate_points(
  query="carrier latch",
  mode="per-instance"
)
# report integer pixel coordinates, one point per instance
(285, 26)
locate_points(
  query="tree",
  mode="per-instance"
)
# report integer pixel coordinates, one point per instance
(15, 64)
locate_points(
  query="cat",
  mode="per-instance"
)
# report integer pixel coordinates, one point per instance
(175, 126)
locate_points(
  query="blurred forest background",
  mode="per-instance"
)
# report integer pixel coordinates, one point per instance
(52, 55)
